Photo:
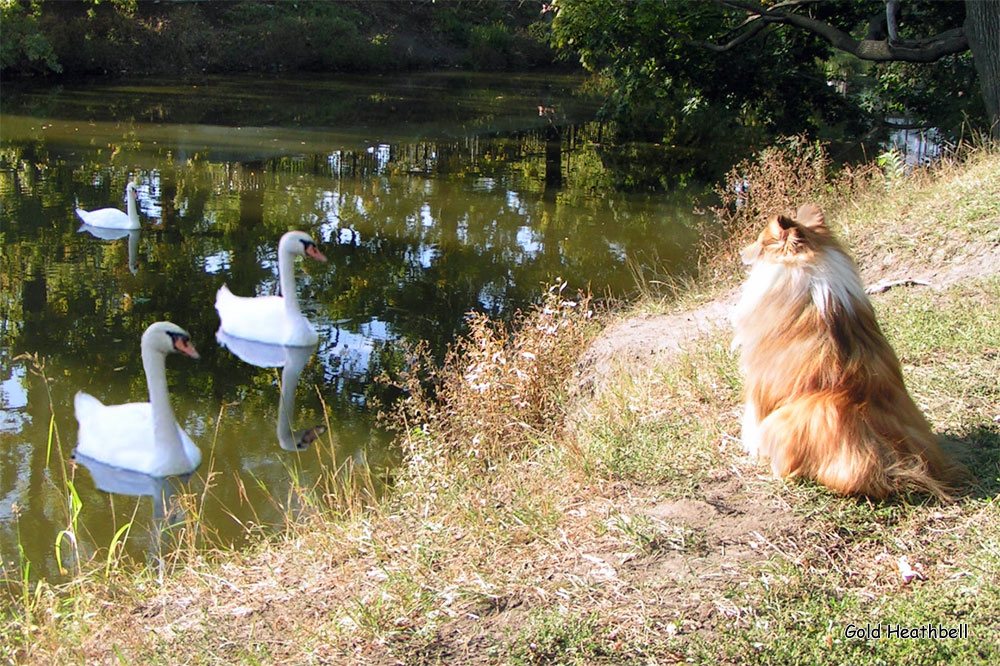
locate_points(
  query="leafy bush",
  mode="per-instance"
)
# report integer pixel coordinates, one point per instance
(322, 36)
(776, 180)
(490, 46)
(127, 37)
(24, 47)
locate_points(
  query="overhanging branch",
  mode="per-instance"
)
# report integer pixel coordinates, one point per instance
(750, 33)
(879, 50)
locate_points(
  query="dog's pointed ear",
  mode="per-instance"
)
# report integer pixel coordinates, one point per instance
(779, 225)
(810, 216)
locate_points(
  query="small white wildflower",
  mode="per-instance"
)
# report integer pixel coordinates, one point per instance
(907, 572)
(377, 574)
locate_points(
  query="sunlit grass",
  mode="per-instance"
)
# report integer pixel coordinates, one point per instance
(659, 423)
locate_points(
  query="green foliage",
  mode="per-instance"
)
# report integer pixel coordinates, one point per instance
(128, 37)
(656, 57)
(944, 93)
(320, 36)
(657, 76)
(24, 46)
(489, 46)
(893, 163)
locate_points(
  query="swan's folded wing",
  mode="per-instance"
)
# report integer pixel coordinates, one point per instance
(121, 435)
(260, 318)
(110, 218)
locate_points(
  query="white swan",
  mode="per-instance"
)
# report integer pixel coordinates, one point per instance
(275, 320)
(112, 218)
(141, 436)
(126, 482)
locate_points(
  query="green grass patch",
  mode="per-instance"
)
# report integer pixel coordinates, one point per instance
(795, 614)
(668, 423)
(949, 345)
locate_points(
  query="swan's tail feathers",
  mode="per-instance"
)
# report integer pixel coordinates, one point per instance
(83, 403)
(222, 297)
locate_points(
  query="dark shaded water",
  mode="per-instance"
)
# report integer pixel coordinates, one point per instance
(432, 195)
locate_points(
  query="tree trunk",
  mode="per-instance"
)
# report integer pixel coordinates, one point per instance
(982, 28)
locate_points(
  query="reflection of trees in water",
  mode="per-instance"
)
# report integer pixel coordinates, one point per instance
(418, 234)
(413, 251)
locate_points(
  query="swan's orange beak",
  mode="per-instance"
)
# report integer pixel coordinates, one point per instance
(184, 346)
(313, 252)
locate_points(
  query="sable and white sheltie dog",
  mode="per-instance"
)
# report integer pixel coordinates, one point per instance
(825, 397)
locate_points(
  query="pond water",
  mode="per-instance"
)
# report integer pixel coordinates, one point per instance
(432, 195)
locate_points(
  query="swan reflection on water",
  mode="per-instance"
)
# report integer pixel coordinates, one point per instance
(161, 490)
(126, 482)
(106, 233)
(291, 360)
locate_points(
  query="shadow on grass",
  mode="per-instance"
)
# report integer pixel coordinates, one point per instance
(979, 450)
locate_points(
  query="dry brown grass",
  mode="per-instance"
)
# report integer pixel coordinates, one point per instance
(501, 387)
(777, 180)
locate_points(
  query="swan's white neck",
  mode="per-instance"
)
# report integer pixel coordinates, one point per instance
(130, 207)
(286, 404)
(166, 437)
(286, 282)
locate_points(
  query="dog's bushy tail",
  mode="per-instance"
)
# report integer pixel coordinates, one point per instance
(858, 449)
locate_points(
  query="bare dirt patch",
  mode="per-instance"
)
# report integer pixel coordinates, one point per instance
(647, 338)
(729, 524)
(968, 263)
(643, 338)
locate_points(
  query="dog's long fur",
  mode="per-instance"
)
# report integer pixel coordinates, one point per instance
(825, 397)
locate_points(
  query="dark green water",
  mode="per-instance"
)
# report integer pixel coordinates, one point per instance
(431, 195)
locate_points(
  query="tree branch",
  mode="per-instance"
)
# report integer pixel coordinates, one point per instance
(892, 20)
(752, 32)
(877, 27)
(882, 50)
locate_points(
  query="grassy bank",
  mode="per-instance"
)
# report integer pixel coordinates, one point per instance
(550, 514)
